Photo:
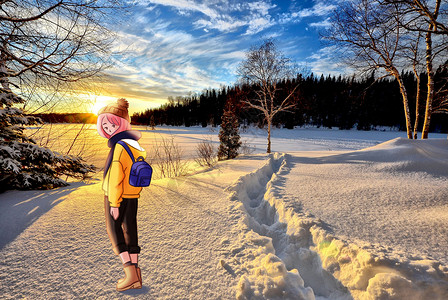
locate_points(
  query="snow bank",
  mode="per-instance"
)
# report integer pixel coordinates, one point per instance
(285, 253)
(404, 155)
(273, 264)
(375, 272)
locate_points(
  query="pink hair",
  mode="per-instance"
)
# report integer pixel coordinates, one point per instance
(122, 124)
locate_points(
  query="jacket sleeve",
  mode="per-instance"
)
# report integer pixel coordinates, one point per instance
(116, 178)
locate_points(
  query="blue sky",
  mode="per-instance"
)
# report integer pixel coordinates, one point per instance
(173, 47)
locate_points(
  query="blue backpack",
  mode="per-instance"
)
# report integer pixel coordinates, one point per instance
(141, 171)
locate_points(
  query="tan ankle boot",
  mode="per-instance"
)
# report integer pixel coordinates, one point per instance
(139, 274)
(130, 281)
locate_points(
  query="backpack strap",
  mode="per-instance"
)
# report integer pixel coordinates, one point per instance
(125, 146)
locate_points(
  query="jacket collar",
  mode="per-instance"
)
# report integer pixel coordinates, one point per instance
(128, 134)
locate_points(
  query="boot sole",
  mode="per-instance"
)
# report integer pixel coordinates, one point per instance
(135, 285)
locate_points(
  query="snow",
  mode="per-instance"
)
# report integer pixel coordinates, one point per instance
(331, 215)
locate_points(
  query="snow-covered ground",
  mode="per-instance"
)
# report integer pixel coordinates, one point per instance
(331, 215)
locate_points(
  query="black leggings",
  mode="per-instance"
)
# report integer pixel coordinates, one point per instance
(123, 231)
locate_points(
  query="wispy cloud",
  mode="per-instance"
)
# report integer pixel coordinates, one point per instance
(224, 24)
(324, 62)
(166, 62)
(261, 7)
(319, 9)
(218, 15)
(297, 14)
(155, 60)
(322, 24)
(173, 47)
(186, 5)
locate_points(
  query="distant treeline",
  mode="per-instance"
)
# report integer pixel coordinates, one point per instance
(343, 102)
(87, 118)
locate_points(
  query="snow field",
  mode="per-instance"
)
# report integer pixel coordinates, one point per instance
(380, 230)
(284, 253)
(277, 261)
(60, 249)
(409, 178)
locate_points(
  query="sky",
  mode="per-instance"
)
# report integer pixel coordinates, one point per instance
(176, 47)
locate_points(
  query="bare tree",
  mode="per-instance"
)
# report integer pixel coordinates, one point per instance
(371, 35)
(47, 47)
(264, 67)
(440, 104)
(428, 17)
(206, 154)
(51, 45)
(416, 58)
(434, 12)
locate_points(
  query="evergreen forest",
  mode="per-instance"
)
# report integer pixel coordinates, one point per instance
(326, 101)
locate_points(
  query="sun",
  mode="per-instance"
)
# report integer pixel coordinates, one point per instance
(100, 102)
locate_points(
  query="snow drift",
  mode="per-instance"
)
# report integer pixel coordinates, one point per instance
(276, 262)
(279, 234)
(283, 252)
(402, 155)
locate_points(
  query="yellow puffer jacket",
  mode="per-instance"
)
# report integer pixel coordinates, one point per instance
(116, 182)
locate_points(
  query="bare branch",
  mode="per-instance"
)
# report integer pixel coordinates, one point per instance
(32, 18)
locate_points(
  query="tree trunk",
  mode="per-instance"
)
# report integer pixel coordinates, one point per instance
(4, 82)
(417, 105)
(269, 137)
(430, 86)
(404, 94)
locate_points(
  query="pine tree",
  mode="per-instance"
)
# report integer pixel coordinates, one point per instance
(229, 135)
(152, 122)
(23, 164)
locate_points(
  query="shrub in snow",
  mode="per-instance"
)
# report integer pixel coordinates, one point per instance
(229, 135)
(206, 154)
(23, 164)
(168, 157)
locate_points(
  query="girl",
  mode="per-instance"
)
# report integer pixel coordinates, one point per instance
(120, 198)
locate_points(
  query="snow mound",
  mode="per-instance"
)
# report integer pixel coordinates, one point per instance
(273, 262)
(403, 155)
(284, 253)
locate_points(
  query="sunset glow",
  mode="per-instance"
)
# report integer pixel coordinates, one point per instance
(100, 102)
(172, 48)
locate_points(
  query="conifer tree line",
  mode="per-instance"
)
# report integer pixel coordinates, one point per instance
(323, 101)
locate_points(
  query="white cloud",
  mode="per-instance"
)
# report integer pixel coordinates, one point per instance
(324, 61)
(220, 14)
(319, 9)
(158, 59)
(226, 24)
(259, 24)
(261, 7)
(165, 62)
(322, 24)
(233, 55)
(187, 5)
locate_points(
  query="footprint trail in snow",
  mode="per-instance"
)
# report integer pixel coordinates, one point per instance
(283, 252)
(274, 259)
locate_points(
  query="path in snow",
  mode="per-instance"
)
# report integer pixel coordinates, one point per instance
(66, 254)
(279, 236)
(276, 259)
